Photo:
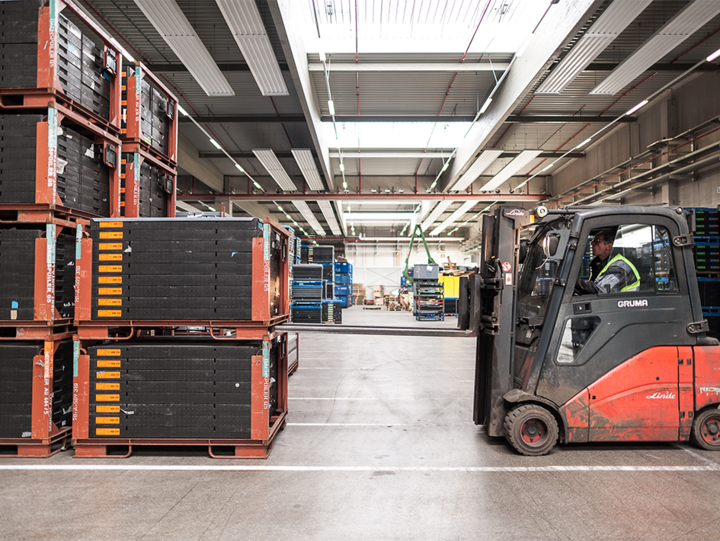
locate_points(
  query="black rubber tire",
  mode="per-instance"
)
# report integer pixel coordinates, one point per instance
(531, 429)
(706, 430)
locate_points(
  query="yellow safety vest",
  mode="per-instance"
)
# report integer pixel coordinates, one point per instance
(632, 287)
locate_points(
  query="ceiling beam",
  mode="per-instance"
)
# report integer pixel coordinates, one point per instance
(526, 119)
(365, 198)
(410, 154)
(227, 67)
(566, 119)
(609, 66)
(230, 119)
(450, 67)
(560, 24)
(205, 171)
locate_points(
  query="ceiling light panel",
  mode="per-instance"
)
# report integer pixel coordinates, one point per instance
(243, 18)
(522, 159)
(677, 30)
(476, 169)
(172, 25)
(466, 207)
(303, 208)
(327, 211)
(601, 34)
(385, 217)
(306, 162)
(272, 164)
(437, 211)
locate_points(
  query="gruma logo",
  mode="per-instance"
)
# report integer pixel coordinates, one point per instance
(661, 395)
(633, 304)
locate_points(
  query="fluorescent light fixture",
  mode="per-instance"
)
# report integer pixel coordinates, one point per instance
(243, 18)
(547, 167)
(303, 208)
(522, 159)
(331, 107)
(713, 56)
(211, 209)
(216, 144)
(342, 167)
(638, 106)
(239, 167)
(306, 162)
(182, 111)
(601, 34)
(382, 217)
(172, 25)
(675, 31)
(485, 105)
(486, 158)
(435, 214)
(272, 164)
(466, 207)
(321, 56)
(327, 211)
(585, 142)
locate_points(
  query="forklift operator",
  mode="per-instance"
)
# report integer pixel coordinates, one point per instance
(608, 275)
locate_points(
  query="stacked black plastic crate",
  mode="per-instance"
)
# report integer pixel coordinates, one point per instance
(428, 293)
(308, 293)
(707, 264)
(331, 309)
(343, 283)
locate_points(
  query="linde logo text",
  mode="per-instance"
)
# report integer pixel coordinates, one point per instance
(661, 395)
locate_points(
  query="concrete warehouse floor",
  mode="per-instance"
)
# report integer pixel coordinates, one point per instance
(379, 445)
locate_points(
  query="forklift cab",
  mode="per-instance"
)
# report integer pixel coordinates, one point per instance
(558, 361)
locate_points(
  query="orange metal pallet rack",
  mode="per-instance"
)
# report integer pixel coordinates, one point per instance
(132, 131)
(48, 87)
(45, 438)
(264, 424)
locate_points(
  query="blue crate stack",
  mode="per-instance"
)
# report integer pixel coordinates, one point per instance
(707, 264)
(343, 283)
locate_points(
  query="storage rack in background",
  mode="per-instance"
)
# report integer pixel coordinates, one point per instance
(344, 283)
(59, 148)
(313, 287)
(176, 335)
(428, 293)
(707, 264)
(451, 292)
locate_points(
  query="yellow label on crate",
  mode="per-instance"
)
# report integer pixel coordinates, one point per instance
(107, 409)
(111, 224)
(110, 291)
(109, 364)
(109, 352)
(107, 386)
(109, 268)
(107, 431)
(107, 420)
(109, 313)
(108, 375)
(111, 234)
(110, 246)
(107, 398)
(110, 257)
(109, 302)
(109, 279)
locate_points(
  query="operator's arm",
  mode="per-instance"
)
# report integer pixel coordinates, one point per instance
(585, 287)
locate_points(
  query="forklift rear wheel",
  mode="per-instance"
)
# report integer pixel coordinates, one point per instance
(706, 430)
(531, 429)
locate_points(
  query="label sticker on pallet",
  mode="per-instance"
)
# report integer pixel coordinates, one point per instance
(109, 268)
(109, 364)
(107, 398)
(110, 246)
(109, 352)
(107, 420)
(109, 302)
(109, 313)
(107, 431)
(109, 291)
(107, 386)
(111, 224)
(110, 257)
(111, 234)
(109, 279)
(107, 409)
(108, 375)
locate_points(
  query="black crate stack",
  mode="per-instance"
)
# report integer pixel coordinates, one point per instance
(707, 264)
(153, 185)
(308, 293)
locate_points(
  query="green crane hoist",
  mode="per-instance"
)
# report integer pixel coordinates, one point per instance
(417, 230)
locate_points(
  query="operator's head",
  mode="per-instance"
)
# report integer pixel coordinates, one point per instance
(602, 244)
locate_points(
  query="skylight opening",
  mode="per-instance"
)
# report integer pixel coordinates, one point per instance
(395, 135)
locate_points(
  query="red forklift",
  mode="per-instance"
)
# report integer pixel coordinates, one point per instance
(556, 363)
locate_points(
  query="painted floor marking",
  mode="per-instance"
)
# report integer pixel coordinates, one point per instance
(374, 398)
(395, 469)
(388, 425)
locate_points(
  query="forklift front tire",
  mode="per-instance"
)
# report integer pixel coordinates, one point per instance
(706, 430)
(531, 429)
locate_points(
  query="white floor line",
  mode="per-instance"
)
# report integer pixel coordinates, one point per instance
(448, 469)
(469, 423)
(370, 368)
(375, 398)
(695, 455)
